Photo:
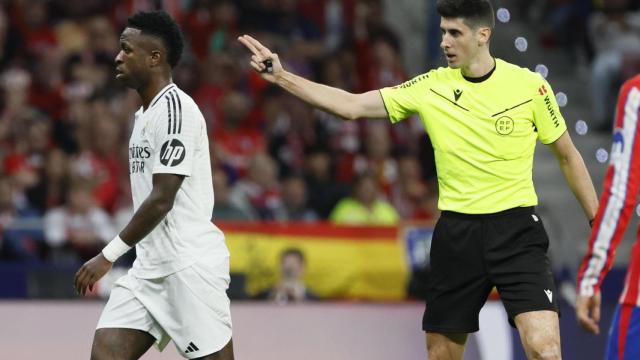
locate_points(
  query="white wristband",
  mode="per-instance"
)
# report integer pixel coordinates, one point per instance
(115, 249)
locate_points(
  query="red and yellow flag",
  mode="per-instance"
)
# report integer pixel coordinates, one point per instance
(349, 262)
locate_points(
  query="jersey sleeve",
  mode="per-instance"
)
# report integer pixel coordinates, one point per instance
(175, 134)
(618, 199)
(546, 114)
(403, 100)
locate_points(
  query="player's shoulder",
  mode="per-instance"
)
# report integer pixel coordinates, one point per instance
(173, 94)
(186, 100)
(524, 75)
(422, 79)
(520, 80)
(172, 102)
(443, 73)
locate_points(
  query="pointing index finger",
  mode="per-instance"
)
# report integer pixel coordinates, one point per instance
(249, 46)
(255, 46)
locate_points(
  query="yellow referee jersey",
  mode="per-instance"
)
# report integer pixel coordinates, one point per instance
(483, 132)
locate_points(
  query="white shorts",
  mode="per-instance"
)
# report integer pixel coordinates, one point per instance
(190, 307)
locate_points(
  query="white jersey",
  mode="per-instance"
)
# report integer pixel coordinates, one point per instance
(170, 137)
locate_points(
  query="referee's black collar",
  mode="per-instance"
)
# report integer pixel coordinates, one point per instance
(483, 77)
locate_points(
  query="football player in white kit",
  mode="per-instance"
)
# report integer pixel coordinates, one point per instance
(176, 289)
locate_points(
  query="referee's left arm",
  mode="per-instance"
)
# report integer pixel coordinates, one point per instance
(576, 174)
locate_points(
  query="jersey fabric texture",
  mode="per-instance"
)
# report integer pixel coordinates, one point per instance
(617, 204)
(170, 137)
(472, 254)
(483, 133)
(624, 335)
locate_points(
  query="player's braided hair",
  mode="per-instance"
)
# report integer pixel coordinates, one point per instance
(474, 12)
(161, 25)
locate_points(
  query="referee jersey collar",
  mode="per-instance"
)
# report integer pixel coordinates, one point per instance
(483, 77)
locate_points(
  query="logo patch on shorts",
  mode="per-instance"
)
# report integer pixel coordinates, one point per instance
(549, 295)
(535, 218)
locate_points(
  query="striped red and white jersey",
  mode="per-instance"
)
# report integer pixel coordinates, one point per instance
(617, 202)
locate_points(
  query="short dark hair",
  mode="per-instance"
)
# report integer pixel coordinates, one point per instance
(292, 251)
(474, 12)
(161, 25)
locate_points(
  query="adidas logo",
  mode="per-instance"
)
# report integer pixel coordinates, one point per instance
(549, 295)
(191, 348)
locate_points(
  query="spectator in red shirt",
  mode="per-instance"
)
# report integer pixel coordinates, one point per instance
(235, 143)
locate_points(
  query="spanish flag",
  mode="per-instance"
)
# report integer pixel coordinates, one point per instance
(342, 262)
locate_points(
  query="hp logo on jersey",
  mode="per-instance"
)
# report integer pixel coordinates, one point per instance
(172, 153)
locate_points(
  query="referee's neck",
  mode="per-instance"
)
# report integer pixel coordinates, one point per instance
(480, 66)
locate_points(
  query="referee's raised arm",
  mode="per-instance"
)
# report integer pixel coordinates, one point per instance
(337, 101)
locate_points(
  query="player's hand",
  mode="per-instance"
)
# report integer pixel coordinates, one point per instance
(92, 271)
(260, 58)
(588, 312)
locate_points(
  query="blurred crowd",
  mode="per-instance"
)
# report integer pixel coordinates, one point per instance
(65, 122)
(601, 36)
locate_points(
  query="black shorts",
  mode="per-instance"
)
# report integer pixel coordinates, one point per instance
(470, 254)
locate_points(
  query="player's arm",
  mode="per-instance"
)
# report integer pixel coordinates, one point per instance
(552, 131)
(576, 174)
(146, 218)
(339, 102)
(154, 208)
(617, 202)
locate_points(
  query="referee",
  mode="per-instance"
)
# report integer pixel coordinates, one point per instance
(483, 116)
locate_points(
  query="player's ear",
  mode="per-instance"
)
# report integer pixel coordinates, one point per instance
(155, 58)
(483, 34)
